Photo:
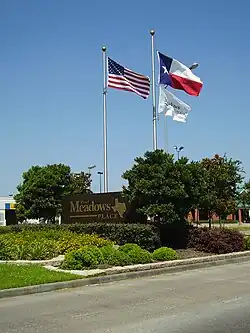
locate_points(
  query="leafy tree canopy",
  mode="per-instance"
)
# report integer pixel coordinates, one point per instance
(222, 177)
(163, 187)
(42, 189)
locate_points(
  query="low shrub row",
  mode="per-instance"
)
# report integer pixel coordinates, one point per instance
(146, 236)
(46, 241)
(31, 245)
(128, 254)
(216, 240)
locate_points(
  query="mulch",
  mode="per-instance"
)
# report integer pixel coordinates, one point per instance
(191, 253)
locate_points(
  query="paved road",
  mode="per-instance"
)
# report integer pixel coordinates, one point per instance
(214, 300)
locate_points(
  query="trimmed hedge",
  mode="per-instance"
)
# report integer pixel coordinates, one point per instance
(216, 240)
(92, 256)
(164, 254)
(85, 257)
(115, 257)
(145, 235)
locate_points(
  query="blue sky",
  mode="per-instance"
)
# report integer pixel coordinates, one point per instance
(51, 82)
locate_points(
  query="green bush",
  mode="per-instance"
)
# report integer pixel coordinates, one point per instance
(136, 254)
(115, 257)
(4, 253)
(92, 257)
(164, 254)
(45, 244)
(72, 241)
(145, 235)
(38, 250)
(85, 257)
(107, 252)
(22, 246)
(126, 248)
(247, 243)
(140, 256)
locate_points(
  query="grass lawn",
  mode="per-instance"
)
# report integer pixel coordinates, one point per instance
(13, 276)
(241, 228)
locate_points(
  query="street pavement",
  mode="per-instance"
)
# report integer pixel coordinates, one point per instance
(214, 300)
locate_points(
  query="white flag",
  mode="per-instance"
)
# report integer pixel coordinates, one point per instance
(172, 106)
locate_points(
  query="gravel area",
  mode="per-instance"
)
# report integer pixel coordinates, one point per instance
(192, 253)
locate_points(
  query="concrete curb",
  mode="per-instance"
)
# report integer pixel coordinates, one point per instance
(170, 267)
(52, 262)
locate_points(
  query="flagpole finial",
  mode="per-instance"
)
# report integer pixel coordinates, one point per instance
(152, 32)
(104, 49)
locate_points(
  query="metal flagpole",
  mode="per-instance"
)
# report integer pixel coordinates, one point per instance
(152, 33)
(105, 141)
(165, 134)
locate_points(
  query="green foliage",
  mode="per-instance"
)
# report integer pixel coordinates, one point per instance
(146, 236)
(85, 257)
(247, 243)
(219, 190)
(163, 187)
(14, 276)
(44, 244)
(72, 241)
(42, 189)
(79, 183)
(113, 257)
(22, 246)
(126, 248)
(4, 252)
(136, 254)
(92, 257)
(140, 256)
(164, 254)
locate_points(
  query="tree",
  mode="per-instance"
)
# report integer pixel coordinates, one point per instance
(79, 183)
(221, 179)
(42, 189)
(244, 198)
(163, 187)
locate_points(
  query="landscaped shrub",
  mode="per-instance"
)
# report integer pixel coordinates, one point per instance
(4, 253)
(140, 256)
(72, 241)
(17, 247)
(145, 235)
(164, 254)
(93, 257)
(216, 240)
(114, 257)
(85, 257)
(126, 248)
(136, 254)
(247, 243)
(47, 244)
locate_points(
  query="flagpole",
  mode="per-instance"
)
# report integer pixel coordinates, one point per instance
(105, 141)
(165, 133)
(152, 33)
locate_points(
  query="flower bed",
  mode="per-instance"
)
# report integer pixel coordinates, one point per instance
(40, 245)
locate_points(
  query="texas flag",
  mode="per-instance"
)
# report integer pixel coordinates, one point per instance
(178, 76)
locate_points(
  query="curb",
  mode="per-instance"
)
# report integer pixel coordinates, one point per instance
(53, 262)
(198, 263)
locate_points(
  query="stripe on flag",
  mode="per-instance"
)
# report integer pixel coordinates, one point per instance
(123, 78)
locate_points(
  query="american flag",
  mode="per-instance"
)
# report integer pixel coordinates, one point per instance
(123, 78)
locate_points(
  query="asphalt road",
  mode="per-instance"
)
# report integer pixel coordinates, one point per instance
(214, 300)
